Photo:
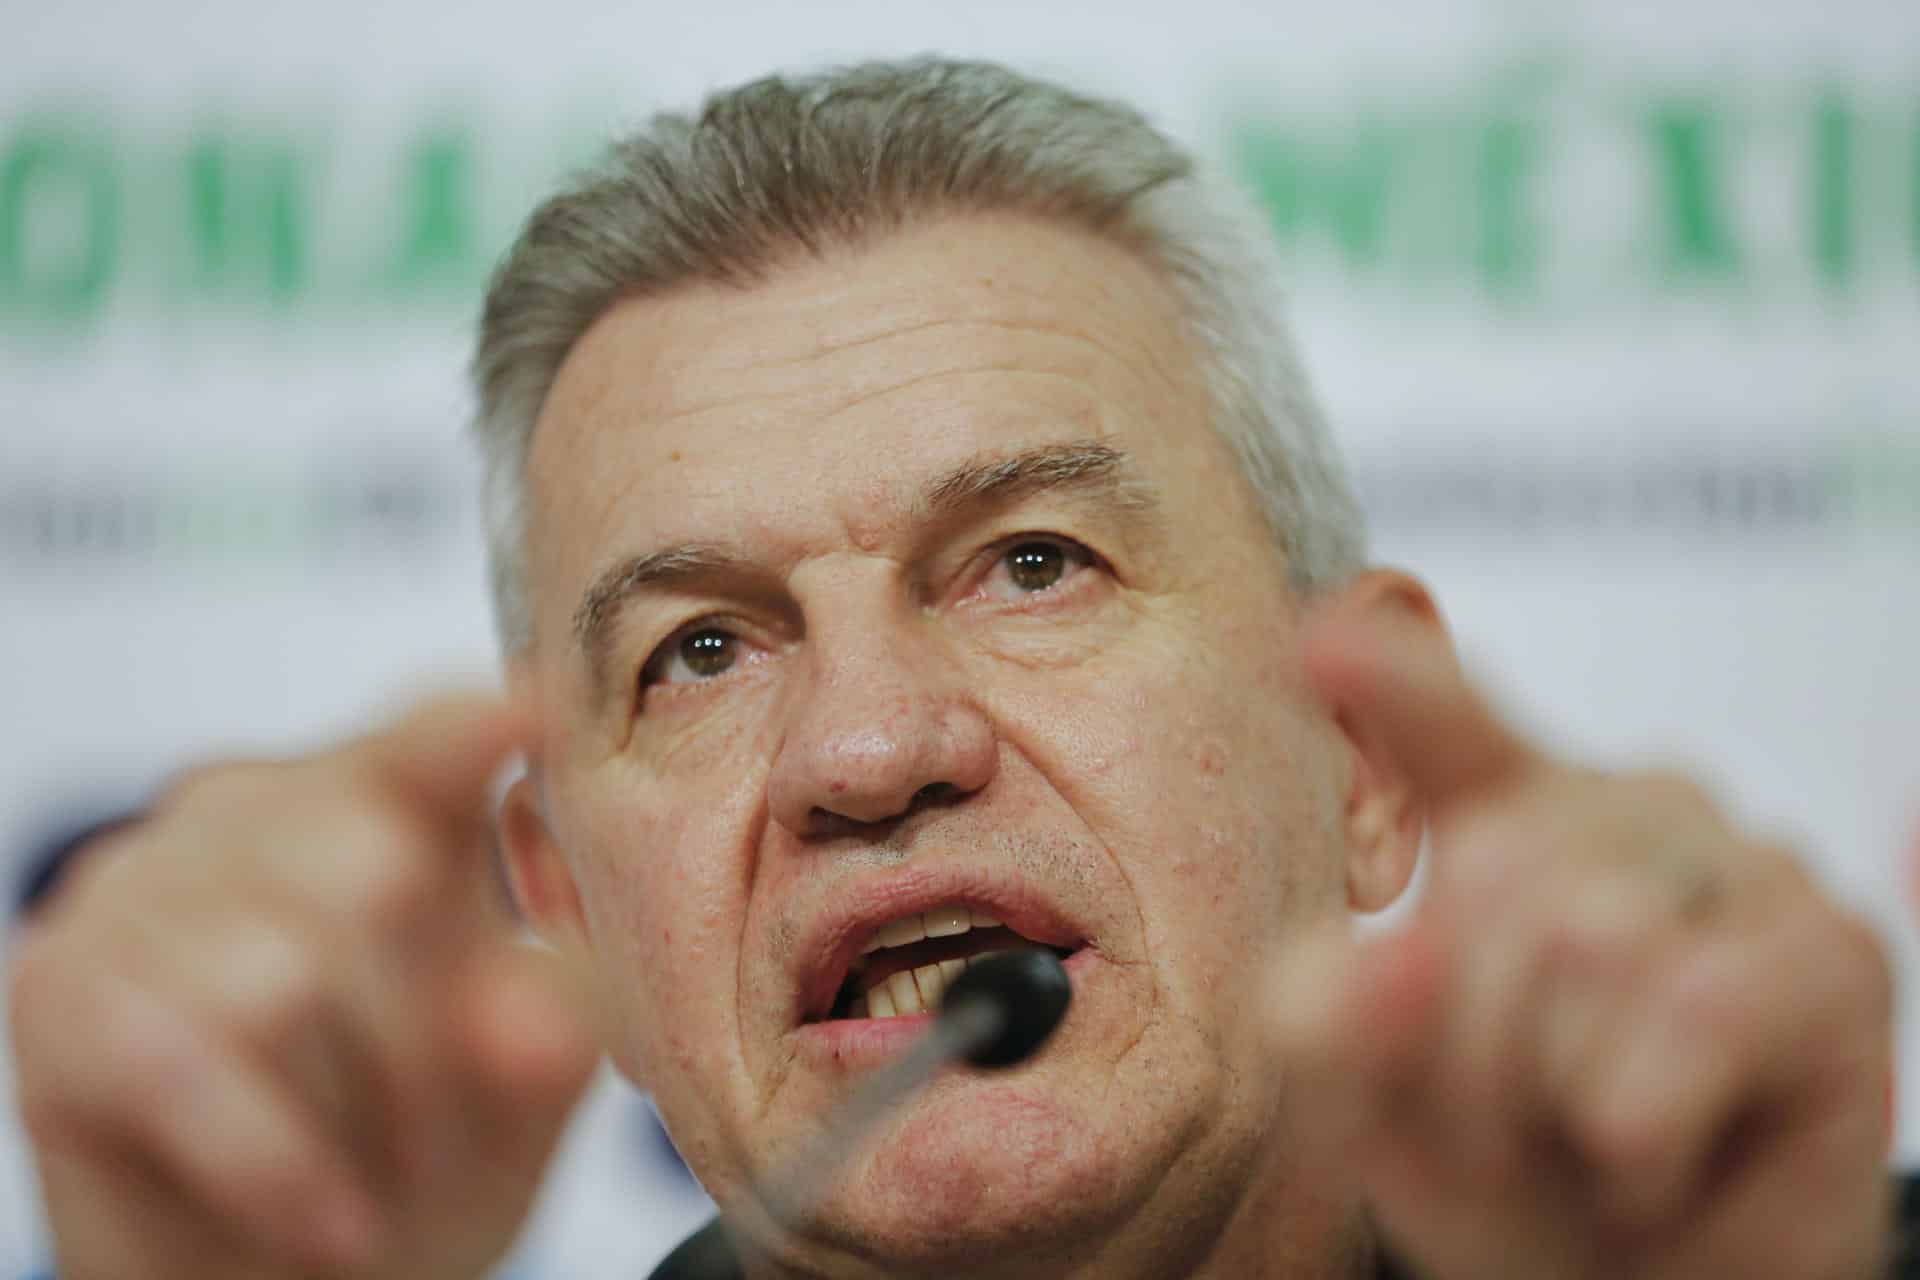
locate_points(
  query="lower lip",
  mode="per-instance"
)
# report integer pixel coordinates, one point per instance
(861, 1044)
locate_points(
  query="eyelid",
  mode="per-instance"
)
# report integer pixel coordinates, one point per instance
(993, 558)
(648, 673)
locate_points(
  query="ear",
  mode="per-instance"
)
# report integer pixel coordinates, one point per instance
(1384, 817)
(537, 872)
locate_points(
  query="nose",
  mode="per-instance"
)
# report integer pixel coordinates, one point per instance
(879, 725)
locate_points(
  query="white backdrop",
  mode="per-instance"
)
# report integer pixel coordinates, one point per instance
(1617, 309)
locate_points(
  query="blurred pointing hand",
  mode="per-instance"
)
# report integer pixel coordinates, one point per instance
(1618, 1037)
(283, 1025)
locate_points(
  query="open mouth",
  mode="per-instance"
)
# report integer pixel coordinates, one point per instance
(906, 966)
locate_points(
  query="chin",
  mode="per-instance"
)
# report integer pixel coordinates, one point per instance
(975, 1170)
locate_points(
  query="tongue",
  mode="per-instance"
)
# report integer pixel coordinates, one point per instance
(887, 961)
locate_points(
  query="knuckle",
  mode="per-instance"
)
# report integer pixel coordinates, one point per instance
(1602, 930)
(128, 1039)
(276, 984)
(1572, 945)
(1616, 1140)
(1707, 992)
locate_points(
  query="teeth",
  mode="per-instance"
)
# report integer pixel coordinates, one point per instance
(911, 990)
(932, 982)
(945, 922)
(916, 990)
(906, 995)
(941, 922)
(904, 930)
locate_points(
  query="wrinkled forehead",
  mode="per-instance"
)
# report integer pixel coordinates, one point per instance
(818, 402)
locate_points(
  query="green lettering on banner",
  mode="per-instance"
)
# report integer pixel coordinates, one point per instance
(1831, 188)
(59, 223)
(1511, 151)
(1914, 208)
(1695, 233)
(437, 245)
(1509, 243)
(1347, 187)
(247, 214)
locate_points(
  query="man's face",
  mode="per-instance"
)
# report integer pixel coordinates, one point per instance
(913, 585)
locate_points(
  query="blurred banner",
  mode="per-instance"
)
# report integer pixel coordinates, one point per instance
(1616, 306)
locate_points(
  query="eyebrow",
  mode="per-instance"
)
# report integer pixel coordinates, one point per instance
(1089, 469)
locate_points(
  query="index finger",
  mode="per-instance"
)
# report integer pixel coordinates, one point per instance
(1393, 675)
(442, 756)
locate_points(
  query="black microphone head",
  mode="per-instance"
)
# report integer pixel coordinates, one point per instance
(1031, 991)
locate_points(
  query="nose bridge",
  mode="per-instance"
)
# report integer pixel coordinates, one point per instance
(878, 718)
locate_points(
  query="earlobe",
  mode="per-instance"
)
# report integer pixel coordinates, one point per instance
(542, 883)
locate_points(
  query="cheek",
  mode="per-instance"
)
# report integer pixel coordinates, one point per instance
(702, 744)
(1204, 769)
(658, 888)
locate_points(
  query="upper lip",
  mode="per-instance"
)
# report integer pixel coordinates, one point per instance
(835, 937)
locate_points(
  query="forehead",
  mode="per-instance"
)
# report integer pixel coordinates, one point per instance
(812, 405)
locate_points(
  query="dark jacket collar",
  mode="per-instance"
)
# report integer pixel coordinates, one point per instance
(707, 1254)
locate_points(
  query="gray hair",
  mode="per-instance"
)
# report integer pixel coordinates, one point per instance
(792, 165)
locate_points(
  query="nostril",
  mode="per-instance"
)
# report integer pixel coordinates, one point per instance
(849, 819)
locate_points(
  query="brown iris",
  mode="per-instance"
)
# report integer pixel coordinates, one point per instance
(1035, 566)
(707, 653)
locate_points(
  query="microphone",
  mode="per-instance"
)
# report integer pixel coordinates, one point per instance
(996, 1014)
(1030, 992)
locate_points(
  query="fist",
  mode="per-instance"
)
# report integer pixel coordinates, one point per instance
(284, 1026)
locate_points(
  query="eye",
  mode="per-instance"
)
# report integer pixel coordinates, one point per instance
(1035, 565)
(692, 656)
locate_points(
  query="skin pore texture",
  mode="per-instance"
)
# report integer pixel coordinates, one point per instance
(823, 684)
